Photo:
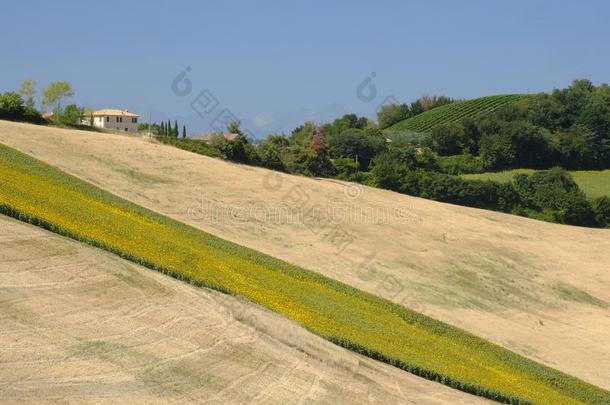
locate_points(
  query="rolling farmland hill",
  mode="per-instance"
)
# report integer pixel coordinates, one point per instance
(118, 332)
(453, 112)
(42, 195)
(536, 288)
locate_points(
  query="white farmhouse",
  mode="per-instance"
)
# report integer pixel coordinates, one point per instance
(121, 120)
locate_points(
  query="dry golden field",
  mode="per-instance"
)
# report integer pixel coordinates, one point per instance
(80, 325)
(540, 289)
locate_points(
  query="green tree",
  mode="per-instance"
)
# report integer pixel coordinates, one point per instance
(54, 93)
(346, 168)
(388, 169)
(184, 132)
(176, 130)
(271, 151)
(416, 108)
(238, 149)
(545, 111)
(355, 144)
(28, 90)
(497, 152)
(233, 150)
(555, 192)
(317, 163)
(11, 106)
(303, 135)
(71, 115)
(596, 116)
(391, 114)
(234, 127)
(449, 140)
(601, 207)
(346, 122)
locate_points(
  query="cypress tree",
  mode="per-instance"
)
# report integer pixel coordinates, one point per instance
(176, 130)
(183, 131)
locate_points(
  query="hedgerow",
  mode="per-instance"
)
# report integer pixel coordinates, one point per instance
(42, 195)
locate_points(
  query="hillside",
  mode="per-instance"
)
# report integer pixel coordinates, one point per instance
(464, 266)
(345, 316)
(453, 112)
(119, 332)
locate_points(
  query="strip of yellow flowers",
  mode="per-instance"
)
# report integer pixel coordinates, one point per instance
(35, 192)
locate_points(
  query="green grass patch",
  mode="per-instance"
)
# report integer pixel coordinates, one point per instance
(143, 178)
(570, 293)
(594, 183)
(45, 196)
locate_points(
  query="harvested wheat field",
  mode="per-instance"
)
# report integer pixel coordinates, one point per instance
(539, 289)
(80, 325)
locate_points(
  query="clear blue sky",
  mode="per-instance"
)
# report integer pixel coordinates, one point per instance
(274, 63)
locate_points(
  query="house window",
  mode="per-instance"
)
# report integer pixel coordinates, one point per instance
(134, 120)
(107, 119)
(126, 129)
(119, 119)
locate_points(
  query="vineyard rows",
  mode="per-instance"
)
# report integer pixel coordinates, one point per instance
(455, 112)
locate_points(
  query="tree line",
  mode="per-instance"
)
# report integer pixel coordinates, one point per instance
(565, 129)
(164, 129)
(21, 105)
(569, 128)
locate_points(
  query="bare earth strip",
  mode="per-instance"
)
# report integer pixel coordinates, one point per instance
(540, 289)
(79, 325)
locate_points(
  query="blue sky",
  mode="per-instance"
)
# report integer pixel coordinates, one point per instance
(275, 64)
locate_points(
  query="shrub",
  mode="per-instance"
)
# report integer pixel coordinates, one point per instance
(71, 115)
(234, 150)
(356, 144)
(497, 152)
(574, 209)
(346, 168)
(32, 115)
(460, 164)
(11, 107)
(270, 152)
(450, 139)
(390, 168)
(555, 190)
(190, 145)
(601, 209)
(391, 114)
